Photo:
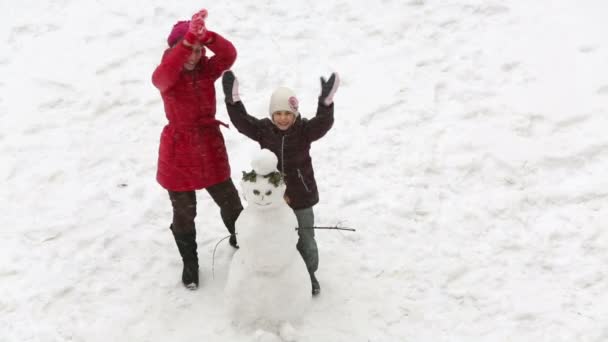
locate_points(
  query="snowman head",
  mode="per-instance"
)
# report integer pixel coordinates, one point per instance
(263, 187)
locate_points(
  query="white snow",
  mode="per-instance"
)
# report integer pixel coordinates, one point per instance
(264, 162)
(469, 151)
(268, 284)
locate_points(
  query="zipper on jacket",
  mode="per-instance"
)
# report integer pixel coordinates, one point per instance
(283, 155)
(302, 179)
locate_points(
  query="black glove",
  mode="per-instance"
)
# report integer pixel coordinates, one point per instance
(231, 87)
(328, 88)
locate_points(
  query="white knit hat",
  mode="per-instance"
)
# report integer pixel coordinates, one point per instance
(284, 99)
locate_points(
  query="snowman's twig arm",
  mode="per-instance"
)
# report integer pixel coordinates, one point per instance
(336, 228)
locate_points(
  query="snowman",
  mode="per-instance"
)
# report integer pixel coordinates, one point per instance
(268, 286)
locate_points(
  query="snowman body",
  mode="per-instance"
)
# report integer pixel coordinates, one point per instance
(268, 280)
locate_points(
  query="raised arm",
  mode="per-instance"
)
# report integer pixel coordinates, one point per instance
(189, 32)
(193, 32)
(318, 126)
(244, 123)
(224, 54)
(167, 73)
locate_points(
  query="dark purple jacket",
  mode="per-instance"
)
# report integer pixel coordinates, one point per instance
(292, 148)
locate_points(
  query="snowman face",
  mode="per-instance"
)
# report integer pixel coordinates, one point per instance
(261, 194)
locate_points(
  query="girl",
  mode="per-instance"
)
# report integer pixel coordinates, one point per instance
(289, 136)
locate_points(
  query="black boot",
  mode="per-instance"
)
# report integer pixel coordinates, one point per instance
(186, 244)
(316, 287)
(232, 241)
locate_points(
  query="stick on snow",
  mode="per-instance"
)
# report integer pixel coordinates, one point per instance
(336, 228)
(213, 257)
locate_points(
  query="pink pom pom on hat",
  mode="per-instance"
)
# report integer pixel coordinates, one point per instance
(178, 32)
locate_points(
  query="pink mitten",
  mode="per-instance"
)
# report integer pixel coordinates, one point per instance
(197, 30)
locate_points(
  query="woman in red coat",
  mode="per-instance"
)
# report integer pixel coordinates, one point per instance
(192, 154)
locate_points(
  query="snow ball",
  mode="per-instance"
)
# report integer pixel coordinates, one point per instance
(264, 162)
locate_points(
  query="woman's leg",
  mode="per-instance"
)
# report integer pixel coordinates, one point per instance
(227, 198)
(184, 211)
(184, 232)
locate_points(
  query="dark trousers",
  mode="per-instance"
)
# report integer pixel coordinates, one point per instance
(224, 195)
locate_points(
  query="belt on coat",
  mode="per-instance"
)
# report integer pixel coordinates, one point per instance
(196, 124)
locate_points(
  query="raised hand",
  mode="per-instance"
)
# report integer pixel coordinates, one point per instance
(197, 24)
(329, 88)
(231, 87)
(197, 31)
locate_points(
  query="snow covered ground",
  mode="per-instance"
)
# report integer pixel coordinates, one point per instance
(469, 151)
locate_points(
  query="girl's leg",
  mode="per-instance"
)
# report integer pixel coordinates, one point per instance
(307, 245)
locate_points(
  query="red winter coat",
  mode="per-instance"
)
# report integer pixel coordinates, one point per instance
(192, 154)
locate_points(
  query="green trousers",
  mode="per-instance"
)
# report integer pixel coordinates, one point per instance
(307, 246)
